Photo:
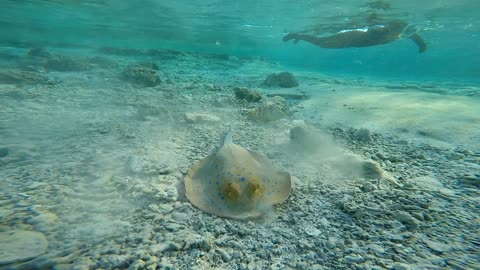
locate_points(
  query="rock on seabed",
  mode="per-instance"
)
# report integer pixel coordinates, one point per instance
(19, 245)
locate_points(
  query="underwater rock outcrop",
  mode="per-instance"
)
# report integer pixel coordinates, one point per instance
(141, 75)
(362, 135)
(247, 94)
(282, 79)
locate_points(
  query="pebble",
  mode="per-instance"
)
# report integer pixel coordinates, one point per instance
(376, 249)
(312, 231)
(114, 261)
(400, 266)
(225, 256)
(406, 219)
(159, 248)
(180, 217)
(136, 265)
(354, 259)
(437, 246)
(80, 267)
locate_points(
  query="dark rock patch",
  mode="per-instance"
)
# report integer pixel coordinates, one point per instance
(141, 75)
(247, 94)
(282, 79)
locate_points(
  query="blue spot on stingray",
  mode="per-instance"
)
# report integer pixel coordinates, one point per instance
(217, 183)
(229, 174)
(243, 178)
(264, 180)
(222, 198)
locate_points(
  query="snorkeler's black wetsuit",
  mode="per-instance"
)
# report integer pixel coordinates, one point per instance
(364, 37)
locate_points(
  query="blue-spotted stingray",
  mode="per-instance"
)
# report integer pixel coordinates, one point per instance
(235, 182)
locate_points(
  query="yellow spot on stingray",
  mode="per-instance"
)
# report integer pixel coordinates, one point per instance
(231, 192)
(255, 190)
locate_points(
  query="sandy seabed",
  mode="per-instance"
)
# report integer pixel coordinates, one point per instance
(92, 161)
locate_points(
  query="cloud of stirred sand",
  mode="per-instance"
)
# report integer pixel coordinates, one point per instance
(313, 149)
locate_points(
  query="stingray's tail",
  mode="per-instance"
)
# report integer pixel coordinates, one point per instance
(229, 136)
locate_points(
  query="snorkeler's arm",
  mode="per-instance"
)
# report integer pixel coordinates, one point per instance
(422, 46)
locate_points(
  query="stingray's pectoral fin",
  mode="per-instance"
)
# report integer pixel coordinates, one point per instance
(296, 40)
(280, 190)
(422, 46)
(289, 36)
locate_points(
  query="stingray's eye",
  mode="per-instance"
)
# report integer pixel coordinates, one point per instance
(255, 190)
(231, 191)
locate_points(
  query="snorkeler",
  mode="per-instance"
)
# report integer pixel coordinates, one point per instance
(363, 37)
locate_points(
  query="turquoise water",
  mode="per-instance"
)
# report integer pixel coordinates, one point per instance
(187, 135)
(256, 28)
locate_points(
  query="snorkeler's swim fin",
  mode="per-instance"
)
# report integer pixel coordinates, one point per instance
(290, 36)
(422, 46)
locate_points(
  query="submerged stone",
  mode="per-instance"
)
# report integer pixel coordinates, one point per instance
(141, 75)
(282, 79)
(247, 94)
(18, 245)
(363, 135)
